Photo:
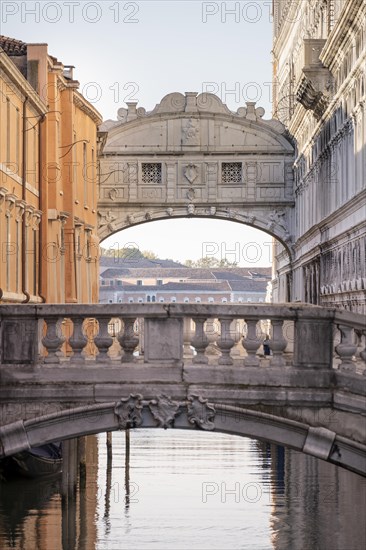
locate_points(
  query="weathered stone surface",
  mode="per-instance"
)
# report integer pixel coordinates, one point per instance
(71, 398)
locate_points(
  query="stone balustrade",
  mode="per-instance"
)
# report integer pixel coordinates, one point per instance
(301, 335)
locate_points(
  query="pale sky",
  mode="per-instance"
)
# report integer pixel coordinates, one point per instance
(143, 50)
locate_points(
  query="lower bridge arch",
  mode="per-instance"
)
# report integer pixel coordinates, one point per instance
(194, 413)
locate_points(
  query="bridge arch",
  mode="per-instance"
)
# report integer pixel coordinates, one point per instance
(195, 413)
(236, 217)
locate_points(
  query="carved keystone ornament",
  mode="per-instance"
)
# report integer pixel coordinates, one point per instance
(164, 410)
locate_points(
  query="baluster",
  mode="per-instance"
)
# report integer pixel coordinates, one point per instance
(78, 340)
(278, 344)
(361, 351)
(225, 342)
(212, 333)
(363, 357)
(128, 341)
(200, 341)
(251, 344)
(346, 349)
(53, 339)
(103, 340)
(187, 335)
(236, 330)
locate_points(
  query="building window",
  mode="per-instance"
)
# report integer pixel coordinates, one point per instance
(159, 281)
(232, 172)
(130, 300)
(85, 176)
(111, 283)
(173, 299)
(240, 300)
(161, 300)
(198, 300)
(153, 298)
(17, 142)
(120, 300)
(103, 282)
(110, 301)
(151, 172)
(140, 300)
(139, 282)
(249, 300)
(8, 126)
(186, 300)
(119, 283)
(211, 300)
(224, 300)
(93, 182)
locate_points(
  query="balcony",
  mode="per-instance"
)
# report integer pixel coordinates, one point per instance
(316, 82)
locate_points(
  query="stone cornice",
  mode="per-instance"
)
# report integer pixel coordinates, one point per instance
(22, 83)
(87, 108)
(347, 209)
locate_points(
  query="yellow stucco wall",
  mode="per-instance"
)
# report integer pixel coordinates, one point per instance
(60, 193)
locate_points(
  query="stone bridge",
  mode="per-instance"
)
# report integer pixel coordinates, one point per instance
(191, 156)
(71, 370)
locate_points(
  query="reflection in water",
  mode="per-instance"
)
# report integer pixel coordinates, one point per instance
(176, 489)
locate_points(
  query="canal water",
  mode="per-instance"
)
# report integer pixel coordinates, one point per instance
(189, 490)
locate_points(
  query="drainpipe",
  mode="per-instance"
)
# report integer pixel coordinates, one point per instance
(44, 210)
(24, 179)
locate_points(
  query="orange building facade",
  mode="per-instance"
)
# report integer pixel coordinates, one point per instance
(48, 180)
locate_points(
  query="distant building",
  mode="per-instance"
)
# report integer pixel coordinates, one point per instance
(143, 283)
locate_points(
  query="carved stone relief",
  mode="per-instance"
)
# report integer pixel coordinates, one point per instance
(191, 132)
(164, 410)
(106, 219)
(128, 411)
(201, 413)
(191, 172)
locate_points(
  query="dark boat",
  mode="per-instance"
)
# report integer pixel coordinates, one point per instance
(39, 461)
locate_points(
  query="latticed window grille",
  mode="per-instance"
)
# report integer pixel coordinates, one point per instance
(232, 172)
(151, 172)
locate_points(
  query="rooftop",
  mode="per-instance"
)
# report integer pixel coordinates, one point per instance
(13, 47)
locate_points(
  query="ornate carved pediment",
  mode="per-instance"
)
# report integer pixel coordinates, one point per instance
(161, 129)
